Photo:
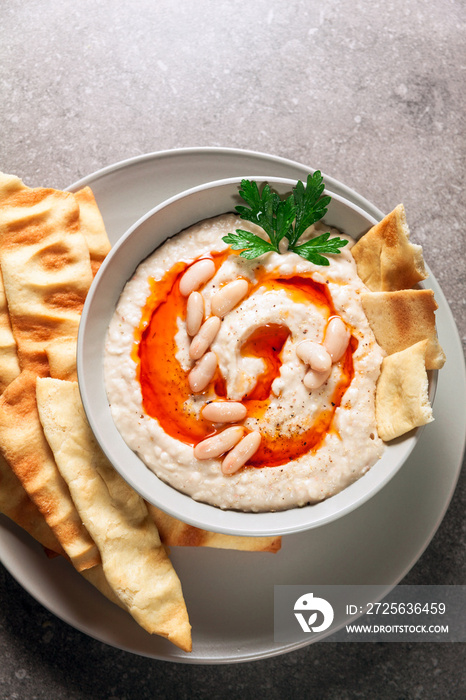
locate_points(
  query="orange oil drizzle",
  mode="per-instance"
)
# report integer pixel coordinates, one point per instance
(281, 449)
(265, 342)
(164, 384)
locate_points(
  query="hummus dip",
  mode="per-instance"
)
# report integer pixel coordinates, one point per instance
(314, 443)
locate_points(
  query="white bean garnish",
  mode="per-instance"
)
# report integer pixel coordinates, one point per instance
(241, 453)
(202, 341)
(336, 338)
(314, 380)
(194, 313)
(218, 444)
(228, 296)
(224, 411)
(196, 275)
(314, 355)
(203, 372)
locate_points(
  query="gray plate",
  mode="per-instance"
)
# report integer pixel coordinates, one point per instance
(230, 594)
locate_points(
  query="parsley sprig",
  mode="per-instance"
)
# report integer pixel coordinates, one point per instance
(288, 218)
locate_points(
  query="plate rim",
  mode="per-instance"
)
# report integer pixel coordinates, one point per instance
(413, 557)
(218, 150)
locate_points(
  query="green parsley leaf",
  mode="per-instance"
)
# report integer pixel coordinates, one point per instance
(287, 218)
(310, 205)
(312, 250)
(267, 210)
(251, 245)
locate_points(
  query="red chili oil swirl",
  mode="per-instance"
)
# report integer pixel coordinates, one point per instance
(164, 384)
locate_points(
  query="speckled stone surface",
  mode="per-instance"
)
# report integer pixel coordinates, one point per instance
(372, 93)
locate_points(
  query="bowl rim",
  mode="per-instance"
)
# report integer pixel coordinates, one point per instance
(169, 499)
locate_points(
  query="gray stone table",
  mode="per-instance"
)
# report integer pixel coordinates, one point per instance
(372, 93)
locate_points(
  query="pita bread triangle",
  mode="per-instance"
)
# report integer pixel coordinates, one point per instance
(402, 399)
(402, 318)
(134, 560)
(27, 453)
(385, 258)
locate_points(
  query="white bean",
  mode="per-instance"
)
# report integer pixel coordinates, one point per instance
(314, 380)
(228, 296)
(196, 275)
(218, 444)
(202, 341)
(203, 372)
(241, 453)
(224, 411)
(194, 313)
(314, 355)
(336, 338)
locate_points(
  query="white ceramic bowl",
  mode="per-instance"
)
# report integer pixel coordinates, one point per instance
(164, 221)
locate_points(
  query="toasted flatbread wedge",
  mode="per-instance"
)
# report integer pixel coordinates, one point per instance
(9, 365)
(10, 185)
(45, 304)
(385, 259)
(175, 533)
(26, 451)
(134, 560)
(402, 318)
(28, 217)
(46, 270)
(91, 224)
(402, 399)
(92, 227)
(16, 505)
(61, 356)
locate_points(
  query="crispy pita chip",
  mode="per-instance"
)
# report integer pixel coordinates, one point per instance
(92, 227)
(16, 505)
(26, 451)
(134, 560)
(402, 318)
(175, 533)
(402, 399)
(385, 258)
